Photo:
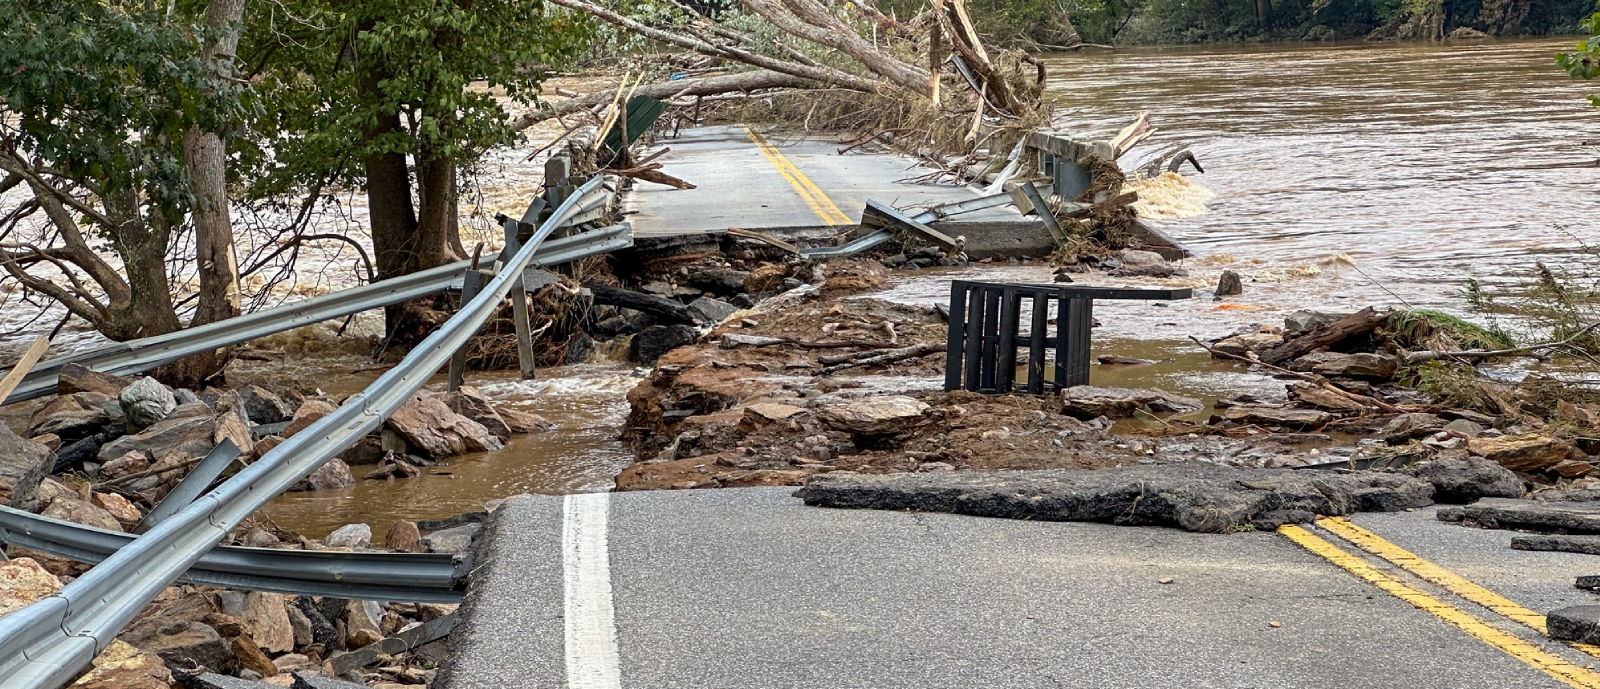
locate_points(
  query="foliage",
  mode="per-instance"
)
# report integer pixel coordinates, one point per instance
(1439, 331)
(1450, 383)
(1584, 61)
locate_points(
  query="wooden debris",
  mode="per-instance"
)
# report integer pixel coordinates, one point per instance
(1358, 323)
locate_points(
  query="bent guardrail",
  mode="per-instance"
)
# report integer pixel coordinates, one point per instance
(48, 644)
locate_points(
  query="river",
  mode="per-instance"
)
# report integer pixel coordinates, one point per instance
(1344, 176)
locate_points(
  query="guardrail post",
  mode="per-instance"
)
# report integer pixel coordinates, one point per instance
(470, 282)
(519, 307)
(557, 170)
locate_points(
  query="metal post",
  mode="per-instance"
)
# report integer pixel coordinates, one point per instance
(1079, 319)
(458, 361)
(991, 339)
(974, 337)
(556, 171)
(519, 307)
(1041, 330)
(955, 341)
(1006, 360)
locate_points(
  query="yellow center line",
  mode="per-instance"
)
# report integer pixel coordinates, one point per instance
(1455, 583)
(808, 191)
(1532, 655)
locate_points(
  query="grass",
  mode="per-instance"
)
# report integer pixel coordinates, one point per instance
(1440, 331)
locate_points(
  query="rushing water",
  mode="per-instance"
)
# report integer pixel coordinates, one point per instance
(1344, 176)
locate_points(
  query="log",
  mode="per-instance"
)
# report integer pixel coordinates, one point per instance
(705, 86)
(1358, 323)
(665, 310)
(888, 357)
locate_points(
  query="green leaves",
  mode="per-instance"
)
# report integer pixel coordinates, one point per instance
(1584, 61)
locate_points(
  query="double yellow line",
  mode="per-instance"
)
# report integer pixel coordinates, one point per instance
(808, 191)
(1532, 655)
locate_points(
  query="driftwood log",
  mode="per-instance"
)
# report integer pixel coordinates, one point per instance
(665, 310)
(1358, 323)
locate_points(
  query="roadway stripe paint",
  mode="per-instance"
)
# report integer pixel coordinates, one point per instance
(1455, 583)
(1535, 657)
(808, 190)
(592, 661)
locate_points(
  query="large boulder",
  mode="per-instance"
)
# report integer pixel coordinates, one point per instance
(1277, 416)
(470, 403)
(146, 402)
(263, 406)
(1088, 401)
(1241, 345)
(433, 429)
(1521, 452)
(874, 415)
(1466, 479)
(334, 475)
(74, 378)
(183, 643)
(82, 512)
(711, 311)
(23, 466)
(349, 536)
(522, 422)
(310, 412)
(263, 617)
(24, 582)
(121, 666)
(455, 539)
(656, 340)
(72, 417)
(182, 438)
(1341, 365)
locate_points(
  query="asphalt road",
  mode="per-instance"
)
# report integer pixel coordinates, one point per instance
(741, 588)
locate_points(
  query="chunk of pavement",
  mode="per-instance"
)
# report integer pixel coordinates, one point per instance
(121, 666)
(874, 415)
(212, 680)
(1277, 416)
(264, 406)
(23, 466)
(1521, 452)
(1088, 401)
(456, 539)
(1562, 543)
(1196, 497)
(146, 402)
(1229, 285)
(1305, 320)
(1532, 515)
(349, 536)
(1412, 425)
(468, 402)
(1240, 345)
(1588, 581)
(75, 378)
(429, 426)
(23, 582)
(711, 311)
(1463, 480)
(310, 681)
(1580, 623)
(656, 340)
(1342, 365)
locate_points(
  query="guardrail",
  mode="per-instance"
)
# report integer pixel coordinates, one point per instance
(400, 577)
(48, 644)
(134, 356)
(934, 214)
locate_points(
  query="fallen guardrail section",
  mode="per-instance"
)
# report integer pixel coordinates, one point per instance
(134, 356)
(48, 644)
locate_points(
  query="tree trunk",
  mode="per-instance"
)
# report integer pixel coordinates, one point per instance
(437, 233)
(142, 244)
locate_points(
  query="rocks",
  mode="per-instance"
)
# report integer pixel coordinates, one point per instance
(310, 412)
(183, 643)
(1337, 365)
(1229, 285)
(265, 620)
(1566, 517)
(1190, 496)
(1088, 402)
(719, 281)
(656, 340)
(1469, 429)
(766, 278)
(1135, 257)
(74, 378)
(1259, 415)
(118, 507)
(456, 539)
(146, 402)
(1580, 623)
(1322, 398)
(1240, 345)
(1521, 452)
(522, 422)
(23, 582)
(263, 407)
(82, 512)
(403, 537)
(394, 466)
(1407, 426)
(362, 620)
(73, 417)
(122, 666)
(174, 439)
(349, 536)
(711, 311)
(334, 475)
(761, 414)
(1304, 320)
(874, 415)
(23, 466)
(1467, 479)
(133, 462)
(323, 631)
(251, 657)
(470, 403)
(430, 427)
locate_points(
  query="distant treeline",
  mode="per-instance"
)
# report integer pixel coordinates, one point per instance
(1067, 22)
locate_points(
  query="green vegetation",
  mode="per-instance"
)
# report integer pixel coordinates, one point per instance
(1420, 329)
(1584, 61)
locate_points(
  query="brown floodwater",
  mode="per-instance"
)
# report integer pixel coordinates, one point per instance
(1344, 176)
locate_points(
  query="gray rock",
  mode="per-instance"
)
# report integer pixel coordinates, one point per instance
(719, 281)
(1135, 257)
(1189, 496)
(74, 425)
(310, 681)
(1464, 480)
(1088, 401)
(874, 415)
(656, 340)
(184, 644)
(1407, 426)
(432, 428)
(1229, 285)
(1304, 320)
(456, 539)
(711, 311)
(263, 406)
(211, 680)
(1339, 365)
(146, 402)
(1464, 427)
(349, 536)
(1579, 623)
(1277, 416)
(23, 466)
(184, 438)
(322, 631)
(470, 403)
(1171, 402)
(75, 378)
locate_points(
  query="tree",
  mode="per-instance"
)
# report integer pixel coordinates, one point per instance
(1584, 61)
(394, 97)
(105, 109)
